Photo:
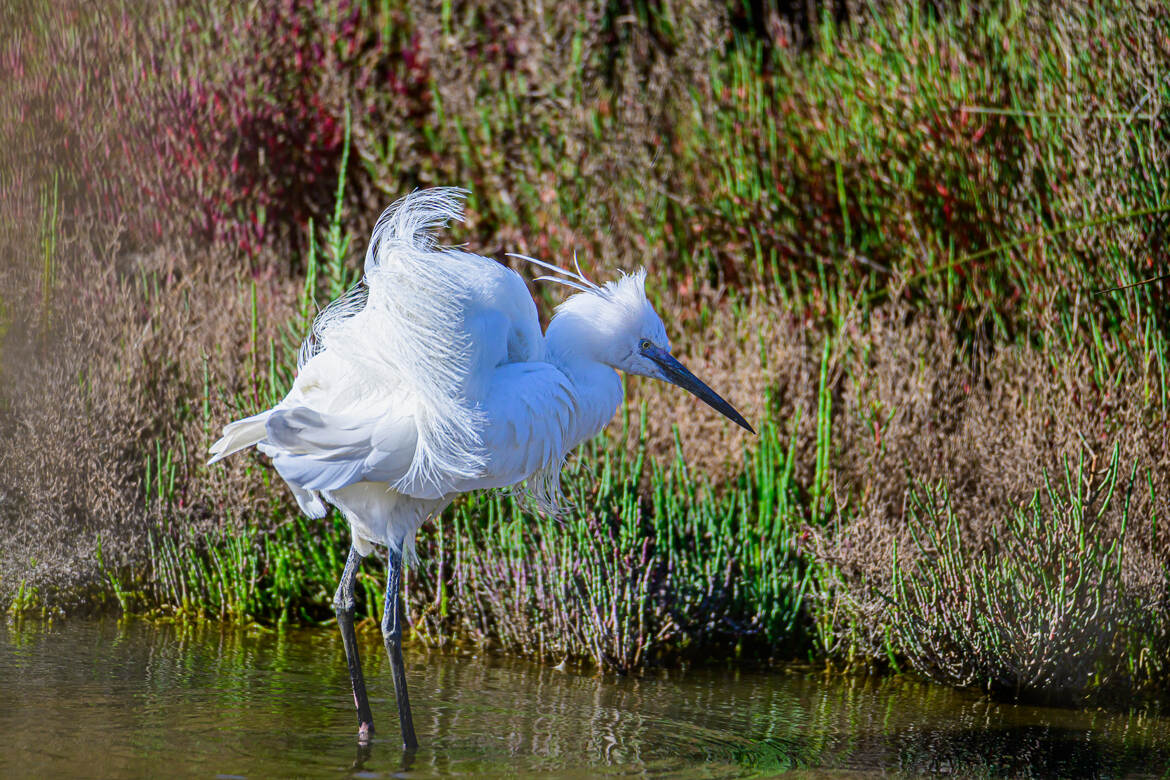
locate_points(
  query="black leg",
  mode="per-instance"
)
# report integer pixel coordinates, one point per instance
(392, 634)
(343, 605)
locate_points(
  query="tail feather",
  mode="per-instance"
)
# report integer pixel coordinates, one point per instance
(239, 435)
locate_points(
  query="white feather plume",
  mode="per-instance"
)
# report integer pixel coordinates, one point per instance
(413, 220)
(350, 303)
(403, 324)
(541, 491)
(577, 281)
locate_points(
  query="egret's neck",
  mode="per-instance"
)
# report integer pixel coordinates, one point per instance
(598, 389)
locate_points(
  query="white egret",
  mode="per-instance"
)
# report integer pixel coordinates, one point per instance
(431, 378)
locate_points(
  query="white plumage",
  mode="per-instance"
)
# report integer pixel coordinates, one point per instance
(425, 381)
(432, 378)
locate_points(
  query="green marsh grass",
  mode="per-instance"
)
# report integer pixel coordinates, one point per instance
(651, 564)
(1042, 607)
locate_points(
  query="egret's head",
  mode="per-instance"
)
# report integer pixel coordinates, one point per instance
(616, 324)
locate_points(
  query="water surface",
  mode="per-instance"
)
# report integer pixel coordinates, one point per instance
(131, 698)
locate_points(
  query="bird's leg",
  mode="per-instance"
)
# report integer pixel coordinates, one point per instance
(343, 604)
(392, 634)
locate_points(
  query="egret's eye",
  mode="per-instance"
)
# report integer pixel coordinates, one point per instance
(644, 344)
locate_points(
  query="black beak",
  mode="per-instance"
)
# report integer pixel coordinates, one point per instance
(676, 373)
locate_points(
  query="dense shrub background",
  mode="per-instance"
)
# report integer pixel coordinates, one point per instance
(881, 231)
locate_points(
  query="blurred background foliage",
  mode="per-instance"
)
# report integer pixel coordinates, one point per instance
(881, 228)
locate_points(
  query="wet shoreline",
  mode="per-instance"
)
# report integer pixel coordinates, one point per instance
(218, 700)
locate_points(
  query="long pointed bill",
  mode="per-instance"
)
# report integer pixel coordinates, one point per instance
(676, 373)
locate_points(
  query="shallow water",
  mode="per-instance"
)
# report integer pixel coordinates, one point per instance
(104, 699)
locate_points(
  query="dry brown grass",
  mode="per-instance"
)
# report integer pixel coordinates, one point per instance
(117, 369)
(969, 441)
(931, 435)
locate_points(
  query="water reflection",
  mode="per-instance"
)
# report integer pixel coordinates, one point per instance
(223, 702)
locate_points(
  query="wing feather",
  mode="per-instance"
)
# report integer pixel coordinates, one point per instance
(328, 452)
(433, 326)
(400, 379)
(529, 411)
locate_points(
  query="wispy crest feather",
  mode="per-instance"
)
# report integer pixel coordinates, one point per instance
(627, 292)
(577, 281)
